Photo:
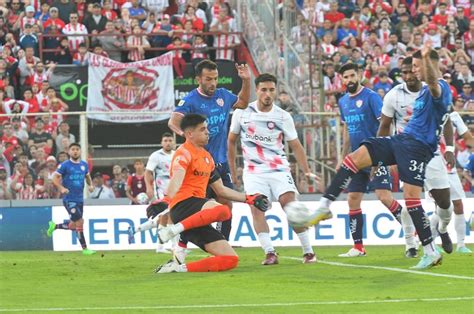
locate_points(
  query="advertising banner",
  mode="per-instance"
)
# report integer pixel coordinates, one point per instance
(106, 227)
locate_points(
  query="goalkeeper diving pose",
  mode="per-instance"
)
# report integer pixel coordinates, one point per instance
(192, 169)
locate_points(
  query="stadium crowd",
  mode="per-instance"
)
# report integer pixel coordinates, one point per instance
(377, 35)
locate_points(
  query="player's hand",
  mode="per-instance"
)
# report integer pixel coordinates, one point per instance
(425, 50)
(373, 171)
(243, 71)
(450, 160)
(63, 190)
(156, 208)
(319, 183)
(258, 200)
(90, 188)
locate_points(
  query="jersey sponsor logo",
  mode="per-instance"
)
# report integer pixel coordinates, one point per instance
(203, 106)
(181, 102)
(271, 125)
(220, 102)
(259, 138)
(201, 173)
(359, 103)
(83, 168)
(351, 118)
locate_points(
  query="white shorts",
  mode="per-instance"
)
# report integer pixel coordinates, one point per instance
(436, 175)
(455, 187)
(272, 184)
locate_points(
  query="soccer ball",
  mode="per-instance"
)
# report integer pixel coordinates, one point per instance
(142, 198)
(298, 214)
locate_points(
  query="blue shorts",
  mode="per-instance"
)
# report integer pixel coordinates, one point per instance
(410, 155)
(74, 209)
(224, 172)
(361, 182)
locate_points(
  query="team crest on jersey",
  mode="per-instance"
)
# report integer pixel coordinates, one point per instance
(359, 103)
(220, 102)
(181, 102)
(271, 125)
(83, 168)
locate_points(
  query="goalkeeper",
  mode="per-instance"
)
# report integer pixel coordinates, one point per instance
(192, 169)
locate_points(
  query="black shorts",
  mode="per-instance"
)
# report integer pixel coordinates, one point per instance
(74, 209)
(199, 236)
(224, 172)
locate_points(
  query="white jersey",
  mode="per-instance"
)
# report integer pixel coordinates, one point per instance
(262, 135)
(458, 127)
(160, 164)
(398, 105)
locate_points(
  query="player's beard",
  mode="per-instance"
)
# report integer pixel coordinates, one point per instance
(75, 158)
(352, 87)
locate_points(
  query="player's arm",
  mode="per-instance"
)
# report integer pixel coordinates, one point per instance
(174, 123)
(385, 126)
(431, 74)
(128, 190)
(89, 182)
(58, 184)
(346, 142)
(448, 133)
(243, 100)
(461, 128)
(300, 155)
(176, 181)
(149, 184)
(232, 154)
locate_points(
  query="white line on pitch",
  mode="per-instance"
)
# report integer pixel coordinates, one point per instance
(211, 306)
(400, 270)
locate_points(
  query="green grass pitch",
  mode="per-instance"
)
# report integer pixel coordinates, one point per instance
(123, 282)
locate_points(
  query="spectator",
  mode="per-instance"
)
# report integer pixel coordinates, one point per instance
(101, 191)
(26, 66)
(54, 19)
(137, 43)
(25, 190)
(43, 14)
(51, 166)
(164, 32)
(150, 23)
(136, 182)
(463, 77)
(95, 23)
(441, 18)
(63, 132)
(65, 8)
(112, 44)
(344, 33)
(63, 53)
(62, 157)
(75, 28)
(461, 21)
(332, 81)
(156, 6)
(19, 130)
(467, 93)
(40, 138)
(199, 50)
(190, 14)
(3, 160)
(433, 34)
(5, 185)
(179, 64)
(8, 135)
(81, 57)
(137, 11)
(39, 162)
(333, 14)
(118, 183)
(107, 10)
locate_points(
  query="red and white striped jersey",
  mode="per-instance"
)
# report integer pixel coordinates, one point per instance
(81, 59)
(328, 49)
(224, 41)
(383, 59)
(200, 52)
(39, 78)
(262, 135)
(25, 20)
(75, 41)
(134, 54)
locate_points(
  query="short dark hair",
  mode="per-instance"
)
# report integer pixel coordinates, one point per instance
(348, 66)
(74, 145)
(204, 64)
(407, 61)
(265, 77)
(166, 134)
(191, 120)
(433, 55)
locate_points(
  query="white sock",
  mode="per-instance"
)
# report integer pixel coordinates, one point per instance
(174, 241)
(460, 226)
(324, 202)
(408, 229)
(434, 221)
(177, 228)
(444, 218)
(147, 225)
(182, 268)
(304, 240)
(265, 242)
(429, 249)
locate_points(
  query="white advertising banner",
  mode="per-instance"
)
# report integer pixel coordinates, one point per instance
(137, 86)
(106, 227)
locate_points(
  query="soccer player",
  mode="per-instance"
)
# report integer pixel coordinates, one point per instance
(360, 111)
(69, 179)
(157, 176)
(192, 170)
(411, 151)
(398, 108)
(216, 104)
(262, 128)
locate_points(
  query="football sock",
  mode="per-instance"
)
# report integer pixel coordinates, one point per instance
(147, 225)
(225, 227)
(205, 217)
(305, 243)
(175, 240)
(444, 218)
(82, 239)
(356, 223)
(396, 210)
(265, 242)
(342, 179)
(434, 221)
(213, 263)
(67, 225)
(422, 224)
(408, 229)
(460, 226)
